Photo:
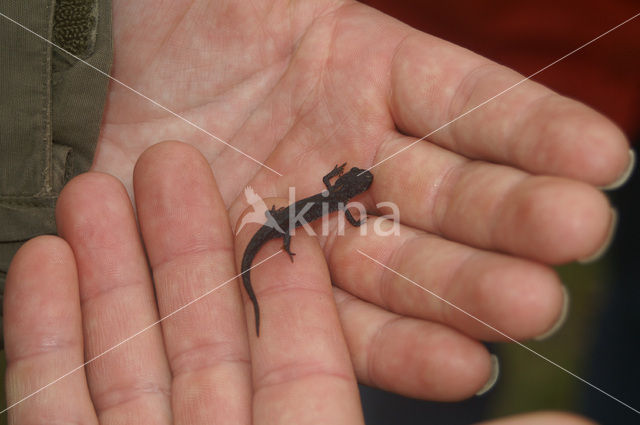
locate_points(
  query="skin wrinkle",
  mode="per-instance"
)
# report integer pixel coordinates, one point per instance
(294, 373)
(84, 228)
(471, 79)
(191, 109)
(327, 243)
(47, 345)
(237, 196)
(119, 395)
(515, 154)
(244, 79)
(154, 54)
(285, 63)
(317, 89)
(355, 109)
(443, 313)
(298, 44)
(116, 146)
(297, 114)
(100, 342)
(440, 220)
(187, 293)
(45, 418)
(446, 313)
(247, 80)
(283, 287)
(215, 353)
(379, 153)
(444, 184)
(388, 137)
(384, 282)
(368, 374)
(436, 227)
(390, 102)
(323, 76)
(161, 45)
(309, 145)
(50, 421)
(337, 124)
(499, 203)
(376, 341)
(368, 200)
(264, 26)
(191, 251)
(381, 148)
(51, 254)
(99, 292)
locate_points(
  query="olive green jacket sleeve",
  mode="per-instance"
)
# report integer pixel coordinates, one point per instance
(50, 108)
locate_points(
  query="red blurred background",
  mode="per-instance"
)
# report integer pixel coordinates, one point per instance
(528, 36)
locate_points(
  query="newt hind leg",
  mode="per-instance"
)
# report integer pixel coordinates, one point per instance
(287, 245)
(351, 219)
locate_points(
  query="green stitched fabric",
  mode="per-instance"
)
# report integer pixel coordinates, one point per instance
(50, 108)
(75, 26)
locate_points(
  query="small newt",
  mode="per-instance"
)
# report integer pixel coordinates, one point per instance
(279, 225)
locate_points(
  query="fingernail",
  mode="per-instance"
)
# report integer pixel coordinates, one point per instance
(561, 320)
(493, 378)
(624, 176)
(607, 242)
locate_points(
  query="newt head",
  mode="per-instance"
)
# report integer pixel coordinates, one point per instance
(353, 182)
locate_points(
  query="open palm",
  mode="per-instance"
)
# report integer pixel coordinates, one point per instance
(485, 203)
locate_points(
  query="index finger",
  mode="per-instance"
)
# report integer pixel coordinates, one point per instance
(522, 123)
(302, 371)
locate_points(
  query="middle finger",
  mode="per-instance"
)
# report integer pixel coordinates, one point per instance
(490, 206)
(186, 231)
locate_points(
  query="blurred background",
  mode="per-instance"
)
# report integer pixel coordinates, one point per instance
(600, 339)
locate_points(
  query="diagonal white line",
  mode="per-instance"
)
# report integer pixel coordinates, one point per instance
(141, 331)
(498, 331)
(194, 125)
(502, 92)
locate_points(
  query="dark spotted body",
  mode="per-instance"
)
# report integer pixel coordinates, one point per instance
(279, 225)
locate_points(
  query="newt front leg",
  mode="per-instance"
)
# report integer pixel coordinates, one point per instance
(337, 171)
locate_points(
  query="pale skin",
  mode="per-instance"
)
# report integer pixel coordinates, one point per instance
(487, 204)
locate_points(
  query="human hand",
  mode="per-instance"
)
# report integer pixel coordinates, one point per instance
(89, 297)
(70, 300)
(486, 203)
